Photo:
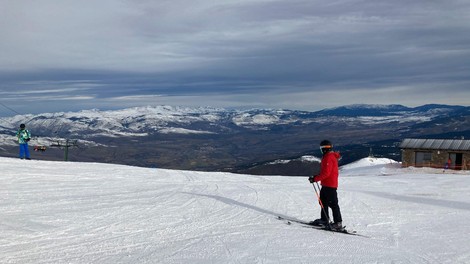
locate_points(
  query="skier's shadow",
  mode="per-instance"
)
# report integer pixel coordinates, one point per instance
(240, 204)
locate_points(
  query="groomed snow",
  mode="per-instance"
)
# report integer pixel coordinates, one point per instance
(58, 212)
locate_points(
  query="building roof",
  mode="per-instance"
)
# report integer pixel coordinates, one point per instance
(436, 144)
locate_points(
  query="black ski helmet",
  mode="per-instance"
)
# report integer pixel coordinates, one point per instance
(326, 144)
(22, 126)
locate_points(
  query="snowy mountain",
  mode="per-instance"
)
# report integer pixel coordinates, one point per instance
(221, 139)
(429, 110)
(142, 121)
(71, 212)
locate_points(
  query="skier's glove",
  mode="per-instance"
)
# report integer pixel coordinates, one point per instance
(311, 179)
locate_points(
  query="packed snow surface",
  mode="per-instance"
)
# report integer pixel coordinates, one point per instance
(59, 212)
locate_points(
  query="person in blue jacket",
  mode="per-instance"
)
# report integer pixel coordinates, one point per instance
(23, 136)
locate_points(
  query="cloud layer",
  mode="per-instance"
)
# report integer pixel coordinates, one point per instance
(302, 54)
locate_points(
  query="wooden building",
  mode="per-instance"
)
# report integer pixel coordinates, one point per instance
(436, 153)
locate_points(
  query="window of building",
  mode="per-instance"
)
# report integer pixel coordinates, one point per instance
(423, 158)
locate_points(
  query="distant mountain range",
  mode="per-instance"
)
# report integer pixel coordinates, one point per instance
(231, 140)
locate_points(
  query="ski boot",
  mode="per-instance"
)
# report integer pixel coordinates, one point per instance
(338, 226)
(318, 222)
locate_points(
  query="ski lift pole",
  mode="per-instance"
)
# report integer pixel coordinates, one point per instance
(320, 202)
(68, 144)
(66, 150)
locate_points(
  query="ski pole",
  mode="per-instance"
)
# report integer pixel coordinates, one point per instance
(321, 204)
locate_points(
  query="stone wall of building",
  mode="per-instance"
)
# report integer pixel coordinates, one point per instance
(439, 158)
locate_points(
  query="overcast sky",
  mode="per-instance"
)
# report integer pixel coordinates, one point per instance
(68, 55)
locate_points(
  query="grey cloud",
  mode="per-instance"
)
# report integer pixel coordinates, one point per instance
(220, 49)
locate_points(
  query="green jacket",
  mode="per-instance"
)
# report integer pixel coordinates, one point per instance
(23, 136)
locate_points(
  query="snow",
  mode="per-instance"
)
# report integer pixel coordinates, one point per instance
(145, 120)
(177, 130)
(310, 158)
(369, 161)
(12, 140)
(59, 212)
(247, 119)
(374, 120)
(307, 158)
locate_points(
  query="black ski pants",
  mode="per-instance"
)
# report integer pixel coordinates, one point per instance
(329, 199)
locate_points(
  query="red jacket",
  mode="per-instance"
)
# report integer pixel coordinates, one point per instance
(329, 170)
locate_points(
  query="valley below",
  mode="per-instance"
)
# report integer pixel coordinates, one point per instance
(251, 142)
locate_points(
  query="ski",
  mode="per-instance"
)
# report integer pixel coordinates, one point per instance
(325, 228)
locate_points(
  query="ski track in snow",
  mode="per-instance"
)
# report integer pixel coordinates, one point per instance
(59, 212)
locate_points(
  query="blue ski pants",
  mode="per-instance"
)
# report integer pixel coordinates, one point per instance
(24, 151)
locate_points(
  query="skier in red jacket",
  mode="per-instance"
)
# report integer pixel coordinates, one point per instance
(329, 181)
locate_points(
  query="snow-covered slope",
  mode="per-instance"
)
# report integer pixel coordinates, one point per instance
(370, 165)
(369, 161)
(58, 212)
